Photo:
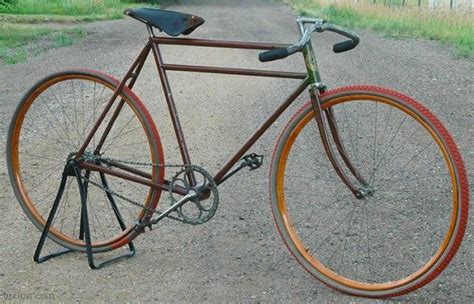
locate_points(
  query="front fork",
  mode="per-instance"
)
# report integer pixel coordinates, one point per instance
(315, 101)
(314, 88)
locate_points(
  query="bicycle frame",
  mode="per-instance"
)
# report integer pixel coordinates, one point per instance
(43, 130)
(311, 79)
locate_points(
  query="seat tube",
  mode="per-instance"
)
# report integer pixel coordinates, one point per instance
(171, 104)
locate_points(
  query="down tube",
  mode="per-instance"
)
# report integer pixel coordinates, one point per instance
(262, 129)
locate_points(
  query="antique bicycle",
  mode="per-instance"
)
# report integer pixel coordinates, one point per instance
(368, 189)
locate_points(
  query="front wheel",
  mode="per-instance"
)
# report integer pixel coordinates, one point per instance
(412, 217)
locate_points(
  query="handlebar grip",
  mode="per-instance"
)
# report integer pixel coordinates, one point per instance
(274, 54)
(345, 46)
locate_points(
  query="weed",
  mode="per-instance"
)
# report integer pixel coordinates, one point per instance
(13, 56)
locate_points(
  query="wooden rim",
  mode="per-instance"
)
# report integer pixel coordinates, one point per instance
(315, 263)
(112, 243)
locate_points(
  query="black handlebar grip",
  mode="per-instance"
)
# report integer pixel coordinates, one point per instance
(345, 46)
(274, 54)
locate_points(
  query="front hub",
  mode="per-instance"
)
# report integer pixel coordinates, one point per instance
(366, 192)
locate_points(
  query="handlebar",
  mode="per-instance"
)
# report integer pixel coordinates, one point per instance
(345, 45)
(318, 25)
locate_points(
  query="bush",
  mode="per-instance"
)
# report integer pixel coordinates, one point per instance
(141, 1)
(8, 2)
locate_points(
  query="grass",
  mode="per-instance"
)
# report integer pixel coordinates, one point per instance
(67, 37)
(18, 41)
(451, 27)
(23, 34)
(106, 8)
(47, 18)
(13, 39)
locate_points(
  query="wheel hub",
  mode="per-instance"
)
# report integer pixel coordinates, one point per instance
(366, 191)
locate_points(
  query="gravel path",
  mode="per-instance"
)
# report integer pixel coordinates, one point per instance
(238, 256)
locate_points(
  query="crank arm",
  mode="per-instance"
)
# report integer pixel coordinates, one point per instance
(191, 195)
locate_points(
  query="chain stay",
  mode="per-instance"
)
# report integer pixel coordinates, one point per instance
(128, 200)
(107, 161)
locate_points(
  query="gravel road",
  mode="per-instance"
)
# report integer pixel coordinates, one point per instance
(238, 256)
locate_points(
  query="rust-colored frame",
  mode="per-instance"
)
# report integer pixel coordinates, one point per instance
(153, 44)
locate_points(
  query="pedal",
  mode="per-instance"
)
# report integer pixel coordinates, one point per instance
(254, 161)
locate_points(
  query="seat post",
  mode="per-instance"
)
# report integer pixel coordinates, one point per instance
(151, 34)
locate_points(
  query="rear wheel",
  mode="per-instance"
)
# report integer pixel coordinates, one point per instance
(50, 125)
(412, 218)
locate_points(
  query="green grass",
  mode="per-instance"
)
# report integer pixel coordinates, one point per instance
(13, 39)
(45, 18)
(63, 39)
(18, 41)
(20, 30)
(451, 27)
(70, 7)
(19, 55)
(67, 37)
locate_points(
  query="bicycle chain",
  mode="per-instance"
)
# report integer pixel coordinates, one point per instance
(134, 163)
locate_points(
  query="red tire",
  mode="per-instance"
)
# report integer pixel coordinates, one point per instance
(414, 213)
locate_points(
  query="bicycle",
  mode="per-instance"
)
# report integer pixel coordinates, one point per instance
(368, 189)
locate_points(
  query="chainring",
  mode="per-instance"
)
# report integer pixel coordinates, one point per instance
(203, 207)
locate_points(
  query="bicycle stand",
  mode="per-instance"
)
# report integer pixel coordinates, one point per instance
(71, 169)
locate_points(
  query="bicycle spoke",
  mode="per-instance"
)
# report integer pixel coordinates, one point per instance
(407, 203)
(59, 116)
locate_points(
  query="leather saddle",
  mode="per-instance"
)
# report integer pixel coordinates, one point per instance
(171, 22)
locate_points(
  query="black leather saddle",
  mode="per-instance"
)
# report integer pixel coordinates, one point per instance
(170, 22)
